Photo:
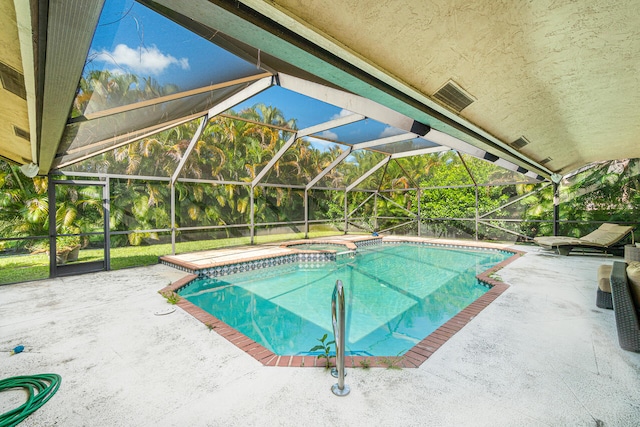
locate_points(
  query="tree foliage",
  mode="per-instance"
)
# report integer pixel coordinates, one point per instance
(234, 148)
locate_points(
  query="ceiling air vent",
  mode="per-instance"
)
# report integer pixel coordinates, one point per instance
(21, 133)
(519, 143)
(12, 81)
(454, 96)
(545, 161)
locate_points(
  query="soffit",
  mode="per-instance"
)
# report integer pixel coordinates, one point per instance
(69, 31)
(562, 74)
(13, 114)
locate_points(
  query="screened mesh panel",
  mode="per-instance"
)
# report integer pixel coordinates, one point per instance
(449, 229)
(446, 209)
(77, 155)
(361, 211)
(404, 146)
(356, 165)
(399, 204)
(397, 176)
(397, 212)
(408, 172)
(24, 207)
(292, 168)
(524, 210)
(23, 260)
(373, 181)
(398, 226)
(360, 131)
(275, 204)
(78, 210)
(231, 149)
(326, 205)
(304, 160)
(131, 59)
(299, 111)
(485, 172)
(326, 229)
(498, 231)
(146, 253)
(278, 233)
(156, 155)
(608, 191)
(198, 240)
(92, 249)
(138, 205)
(442, 169)
(81, 133)
(206, 204)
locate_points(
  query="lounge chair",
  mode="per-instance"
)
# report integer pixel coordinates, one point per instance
(604, 238)
(625, 290)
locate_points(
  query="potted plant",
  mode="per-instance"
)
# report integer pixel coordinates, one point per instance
(67, 249)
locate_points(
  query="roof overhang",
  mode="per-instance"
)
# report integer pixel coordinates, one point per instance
(553, 88)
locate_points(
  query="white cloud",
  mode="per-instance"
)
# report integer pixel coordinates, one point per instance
(342, 113)
(329, 135)
(143, 60)
(390, 131)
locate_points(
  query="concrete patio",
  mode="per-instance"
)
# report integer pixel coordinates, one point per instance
(542, 354)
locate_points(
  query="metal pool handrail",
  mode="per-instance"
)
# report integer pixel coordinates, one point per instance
(338, 319)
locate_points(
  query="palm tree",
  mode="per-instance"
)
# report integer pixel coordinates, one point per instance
(24, 207)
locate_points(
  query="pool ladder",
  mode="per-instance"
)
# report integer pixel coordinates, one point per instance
(338, 319)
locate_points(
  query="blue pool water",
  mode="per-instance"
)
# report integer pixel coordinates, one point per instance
(395, 294)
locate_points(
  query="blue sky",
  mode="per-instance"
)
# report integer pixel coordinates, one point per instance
(308, 112)
(132, 38)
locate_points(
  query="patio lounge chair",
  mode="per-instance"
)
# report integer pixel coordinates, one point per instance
(625, 290)
(604, 238)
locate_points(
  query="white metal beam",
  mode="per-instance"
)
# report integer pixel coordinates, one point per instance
(369, 173)
(273, 161)
(505, 164)
(246, 93)
(396, 204)
(112, 143)
(187, 152)
(442, 138)
(329, 168)
(341, 121)
(172, 97)
(359, 206)
(420, 152)
(348, 101)
(385, 140)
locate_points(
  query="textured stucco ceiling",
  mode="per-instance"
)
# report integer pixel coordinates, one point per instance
(563, 74)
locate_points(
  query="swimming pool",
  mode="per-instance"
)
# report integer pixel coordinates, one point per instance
(396, 295)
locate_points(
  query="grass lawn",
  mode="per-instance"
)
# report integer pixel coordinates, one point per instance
(22, 268)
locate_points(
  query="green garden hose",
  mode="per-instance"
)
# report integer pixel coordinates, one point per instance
(40, 389)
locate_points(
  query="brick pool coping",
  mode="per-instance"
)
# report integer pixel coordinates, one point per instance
(413, 358)
(283, 250)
